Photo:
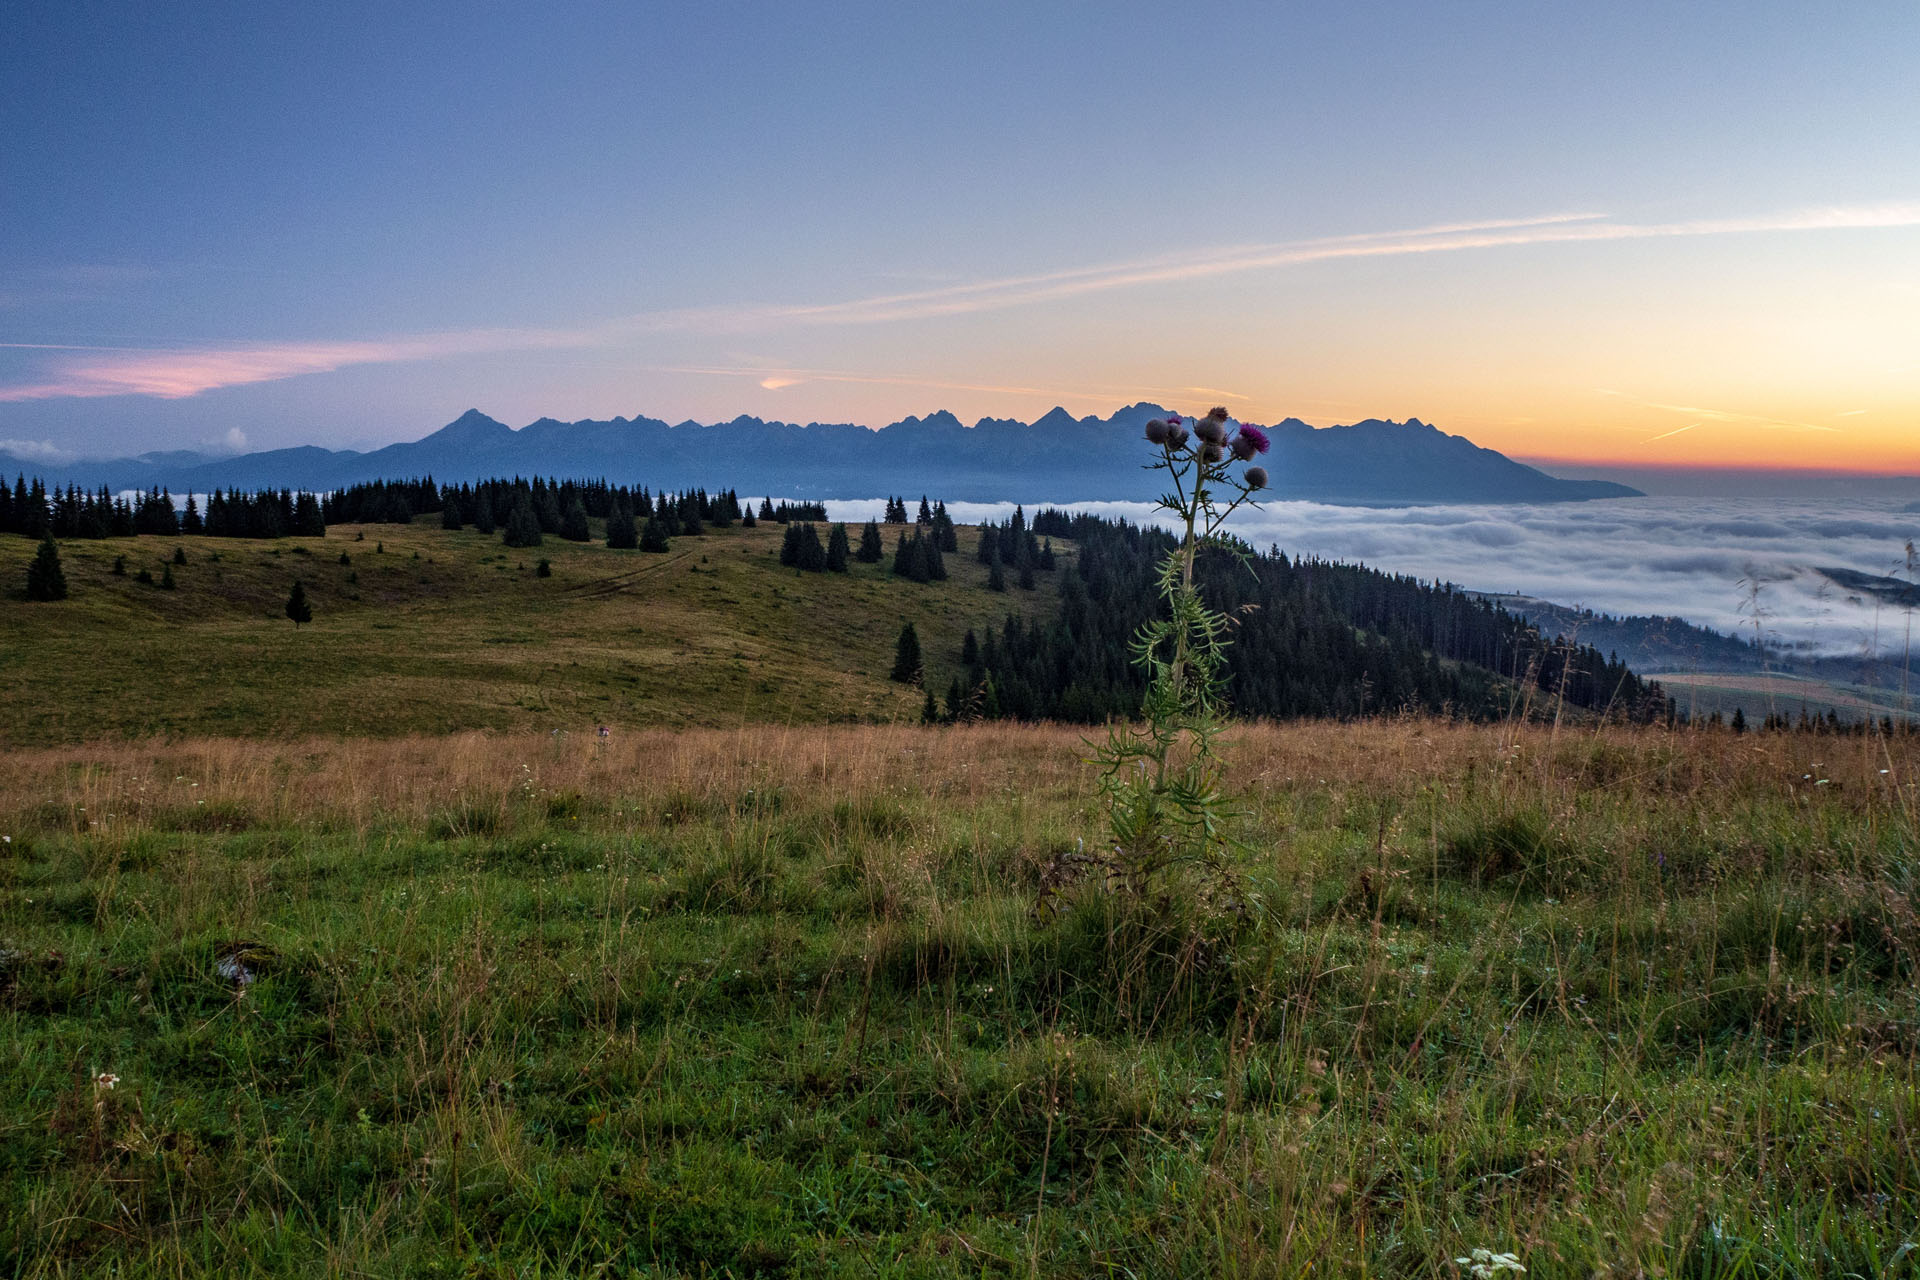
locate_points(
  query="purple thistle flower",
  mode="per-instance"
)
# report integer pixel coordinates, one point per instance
(1256, 437)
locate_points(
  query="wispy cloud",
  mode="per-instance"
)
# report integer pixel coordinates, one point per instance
(1721, 415)
(171, 374)
(781, 378)
(189, 370)
(35, 451)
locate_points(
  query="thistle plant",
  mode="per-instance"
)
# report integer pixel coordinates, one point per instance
(1161, 778)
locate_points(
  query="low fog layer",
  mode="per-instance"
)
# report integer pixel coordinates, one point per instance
(1697, 558)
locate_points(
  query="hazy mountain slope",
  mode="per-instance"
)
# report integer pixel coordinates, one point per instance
(1058, 458)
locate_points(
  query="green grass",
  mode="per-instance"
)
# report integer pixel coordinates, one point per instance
(449, 631)
(774, 1002)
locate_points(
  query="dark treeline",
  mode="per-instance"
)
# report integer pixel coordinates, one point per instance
(558, 507)
(30, 509)
(1310, 638)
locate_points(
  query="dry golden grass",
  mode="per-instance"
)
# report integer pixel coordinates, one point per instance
(357, 782)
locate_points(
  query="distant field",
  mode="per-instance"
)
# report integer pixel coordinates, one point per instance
(1760, 695)
(773, 1001)
(447, 631)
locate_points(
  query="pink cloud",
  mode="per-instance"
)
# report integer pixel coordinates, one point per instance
(176, 374)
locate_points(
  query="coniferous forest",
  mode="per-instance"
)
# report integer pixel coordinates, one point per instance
(1311, 638)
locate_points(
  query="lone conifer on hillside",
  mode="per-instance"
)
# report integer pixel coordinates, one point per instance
(906, 657)
(45, 578)
(654, 536)
(871, 548)
(837, 549)
(297, 607)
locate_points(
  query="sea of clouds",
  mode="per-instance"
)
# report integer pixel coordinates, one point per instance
(1707, 560)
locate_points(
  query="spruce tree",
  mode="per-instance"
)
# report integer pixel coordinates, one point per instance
(926, 512)
(996, 579)
(191, 523)
(179, 555)
(450, 515)
(810, 555)
(871, 548)
(929, 710)
(970, 650)
(620, 532)
(523, 527)
(837, 549)
(45, 578)
(166, 579)
(989, 552)
(297, 607)
(654, 536)
(482, 514)
(573, 522)
(1026, 577)
(906, 657)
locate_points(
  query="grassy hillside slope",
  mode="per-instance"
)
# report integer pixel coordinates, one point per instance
(1760, 695)
(773, 1002)
(446, 631)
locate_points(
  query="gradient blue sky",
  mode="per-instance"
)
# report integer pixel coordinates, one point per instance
(1670, 234)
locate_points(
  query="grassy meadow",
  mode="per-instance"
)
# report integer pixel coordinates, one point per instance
(425, 630)
(774, 1001)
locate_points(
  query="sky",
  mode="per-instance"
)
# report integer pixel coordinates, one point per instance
(1634, 235)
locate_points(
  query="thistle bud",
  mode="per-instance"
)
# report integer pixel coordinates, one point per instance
(1218, 413)
(1256, 477)
(1211, 452)
(1176, 436)
(1156, 431)
(1212, 430)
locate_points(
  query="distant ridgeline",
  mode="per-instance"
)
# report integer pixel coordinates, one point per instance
(1312, 638)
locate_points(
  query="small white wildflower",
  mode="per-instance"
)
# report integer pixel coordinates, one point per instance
(1484, 1264)
(105, 1080)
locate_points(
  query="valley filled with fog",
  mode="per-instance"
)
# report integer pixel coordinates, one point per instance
(1706, 560)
